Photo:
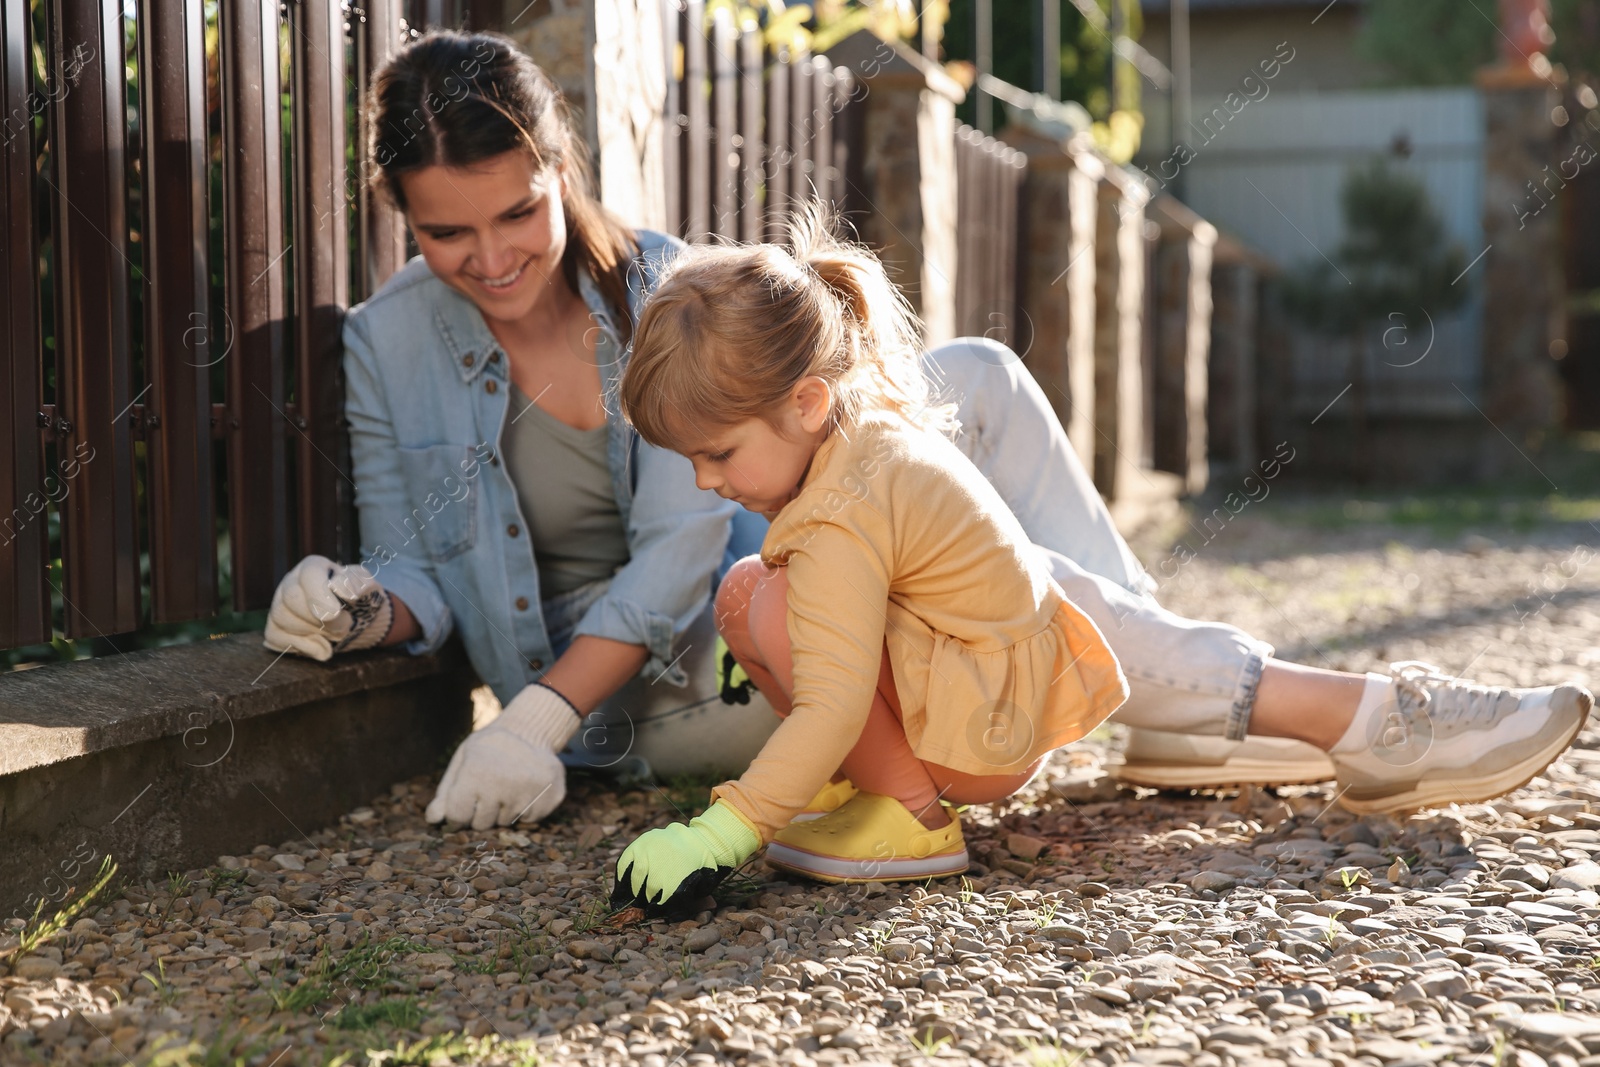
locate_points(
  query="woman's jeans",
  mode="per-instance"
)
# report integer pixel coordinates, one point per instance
(1183, 676)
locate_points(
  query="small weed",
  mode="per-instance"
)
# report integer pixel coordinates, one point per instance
(1349, 877)
(927, 1044)
(593, 914)
(686, 968)
(225, 878)
(967, 892)
(1053, 1055)
(305, 994)
(164, 991)
(39, 930)
(401, 1013)
(227, 1049)
(1501, 1043)
(488, 963)
(878, 940)
(1046, 913)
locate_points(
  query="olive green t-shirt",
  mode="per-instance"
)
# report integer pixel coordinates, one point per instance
(563, 481)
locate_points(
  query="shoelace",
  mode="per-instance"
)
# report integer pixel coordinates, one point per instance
(1442, 696)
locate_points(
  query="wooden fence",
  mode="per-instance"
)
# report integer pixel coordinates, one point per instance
(166, 408)
(750, 130)
(989, 183)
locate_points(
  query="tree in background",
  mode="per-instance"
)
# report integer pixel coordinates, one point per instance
(1443, 42)
(1085, 60)
(1391, 276)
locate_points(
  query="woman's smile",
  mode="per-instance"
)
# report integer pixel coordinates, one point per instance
(504, 284)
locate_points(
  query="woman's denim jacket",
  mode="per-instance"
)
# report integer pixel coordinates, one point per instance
(427, 388)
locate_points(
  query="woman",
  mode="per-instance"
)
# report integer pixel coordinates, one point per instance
(501, 494)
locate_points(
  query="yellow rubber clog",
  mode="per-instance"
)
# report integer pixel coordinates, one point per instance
(869, 838)
(828, 798)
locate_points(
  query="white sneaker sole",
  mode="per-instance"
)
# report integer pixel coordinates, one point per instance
(835, 869)
(1441, 791)
(1160, 760)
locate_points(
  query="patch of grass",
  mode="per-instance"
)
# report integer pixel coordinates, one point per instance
(369, 965)
(690, 792)
(398, 1013)
(227, 1049)
(1045, 914)
(225, 878)
(491, 1051)
(1053, 1055)
(967, 892)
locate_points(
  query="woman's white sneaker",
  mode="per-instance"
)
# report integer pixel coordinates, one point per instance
(1159, 759)
(1423, 739)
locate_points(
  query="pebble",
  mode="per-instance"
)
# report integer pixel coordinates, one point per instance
(1119, 926)
(702, 938)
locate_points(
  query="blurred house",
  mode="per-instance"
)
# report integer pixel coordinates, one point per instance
(1280, 112)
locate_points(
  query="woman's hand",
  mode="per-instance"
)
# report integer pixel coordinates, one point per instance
(509, 771)
(676, 865)
(322, 607)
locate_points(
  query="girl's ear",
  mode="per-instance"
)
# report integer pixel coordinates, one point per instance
(814, 398)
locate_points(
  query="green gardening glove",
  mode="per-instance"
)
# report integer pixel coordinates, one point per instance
(670, 868)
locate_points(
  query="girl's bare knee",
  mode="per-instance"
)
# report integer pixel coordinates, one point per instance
(732, 602)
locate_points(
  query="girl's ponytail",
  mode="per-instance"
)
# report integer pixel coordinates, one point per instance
(883, 332)
(731, 329)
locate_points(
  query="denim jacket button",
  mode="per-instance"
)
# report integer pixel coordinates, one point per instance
(522, 603)
(491, 386)
(494, 357)
(513, 530)
(468, 360)
(536, 664)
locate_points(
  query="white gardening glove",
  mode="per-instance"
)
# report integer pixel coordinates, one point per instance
(509, 771)
(322, 607)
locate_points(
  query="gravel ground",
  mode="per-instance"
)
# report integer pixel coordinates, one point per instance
(1098, 925)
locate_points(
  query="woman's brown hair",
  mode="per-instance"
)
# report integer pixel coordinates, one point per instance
(455, 99)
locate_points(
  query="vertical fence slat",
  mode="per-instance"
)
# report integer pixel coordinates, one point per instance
(99, 530)
(839, 151)
(778, 145)
(24, 534)
(672, 126)
(750, 131)
(724, 154)
(698, 179)
(253, 210)
(181, 342)
(800, 127)
(822, 127)
(966, 254)
(321, 243)
(382, 228)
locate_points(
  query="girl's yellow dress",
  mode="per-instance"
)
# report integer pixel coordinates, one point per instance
(896, 538)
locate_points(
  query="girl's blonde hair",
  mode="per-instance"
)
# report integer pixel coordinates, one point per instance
(731, 329)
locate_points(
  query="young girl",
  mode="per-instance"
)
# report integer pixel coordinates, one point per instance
(899, 616)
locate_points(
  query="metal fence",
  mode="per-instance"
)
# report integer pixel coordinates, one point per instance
(172, 383)
(989, 185)
(751, 130)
